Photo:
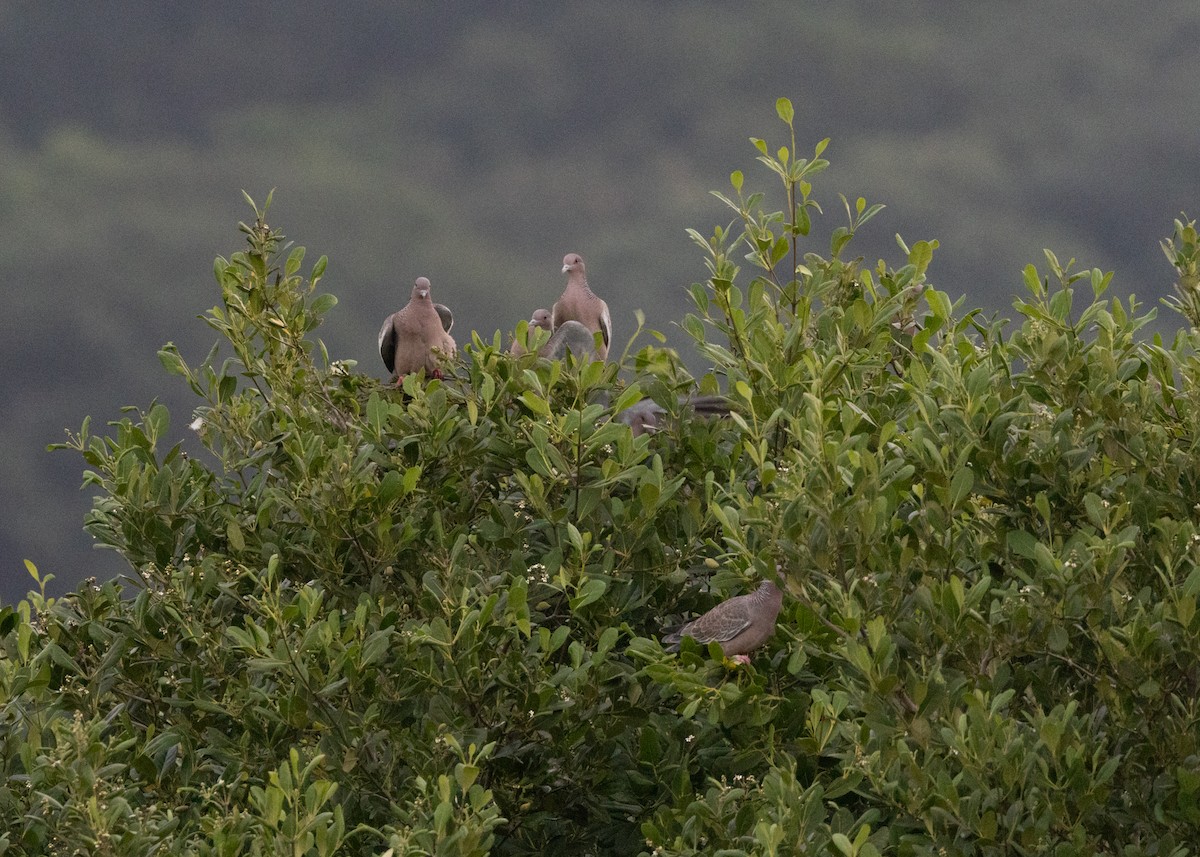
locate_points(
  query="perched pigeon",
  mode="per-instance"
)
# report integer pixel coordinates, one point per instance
(740, 624)
(573, 337)
(539, 320)
(646, 416)
(579, 303)
(416, 336)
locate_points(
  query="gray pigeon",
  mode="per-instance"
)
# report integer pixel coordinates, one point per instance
(539, 320)
(417, 336)
(740, 624)
(573, 337)
(579, 303)
(646, 416)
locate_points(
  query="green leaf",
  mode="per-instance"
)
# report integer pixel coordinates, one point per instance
(960, 486)
(988, 826)
(169, 356)
(518, 605)
(629, 396)
(318, 270)
(322, 304)
(391, 486)
(233, 532)
(375, 646)
(784, 108)
(838, 240)
(607, 640)
(158, 420)
(939, 304)
(575, 538)
(589, 592)
(535, 403)
(1057, 638)
(842, 843)
(294, 260)
(779, 249)
(1022, 543)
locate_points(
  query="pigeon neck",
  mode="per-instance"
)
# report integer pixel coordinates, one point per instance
(767, 590)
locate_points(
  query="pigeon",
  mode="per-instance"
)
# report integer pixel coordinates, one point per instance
(539, 319)
(579, 303)
(740, 624)
(573, 337)
(418, 335)
(646, 416)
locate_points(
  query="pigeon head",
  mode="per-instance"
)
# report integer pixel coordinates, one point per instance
(540, 318)
(642, 422)
(641, 417)
(420, 290)
(572, 262)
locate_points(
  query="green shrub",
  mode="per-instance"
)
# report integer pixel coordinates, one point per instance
(425, 620)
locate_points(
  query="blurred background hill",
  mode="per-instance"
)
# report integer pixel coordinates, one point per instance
(476, 143)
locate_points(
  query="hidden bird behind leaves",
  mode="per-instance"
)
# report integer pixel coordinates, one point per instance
(740, 624)
(540, 320)
(646, 416)
(571, 337)
(579, 303)
(418, 336)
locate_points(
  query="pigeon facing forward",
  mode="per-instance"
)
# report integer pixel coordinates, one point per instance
(579, 303)
(418, 335)
(740, 624)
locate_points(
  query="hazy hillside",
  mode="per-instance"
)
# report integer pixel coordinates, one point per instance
(478, 147)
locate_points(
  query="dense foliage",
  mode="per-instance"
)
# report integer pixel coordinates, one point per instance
(402, 133)
(426, 620)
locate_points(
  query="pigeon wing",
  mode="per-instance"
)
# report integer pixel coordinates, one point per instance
(605, 325)
(718, 625)
(387, 344)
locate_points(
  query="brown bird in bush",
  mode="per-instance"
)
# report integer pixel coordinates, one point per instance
(418, 336)
(579, 303)
(740, 624)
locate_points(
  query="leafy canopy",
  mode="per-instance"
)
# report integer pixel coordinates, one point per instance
(426, 620)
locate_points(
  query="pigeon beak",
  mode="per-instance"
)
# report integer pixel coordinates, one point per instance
(566, 268)
(422, 293)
